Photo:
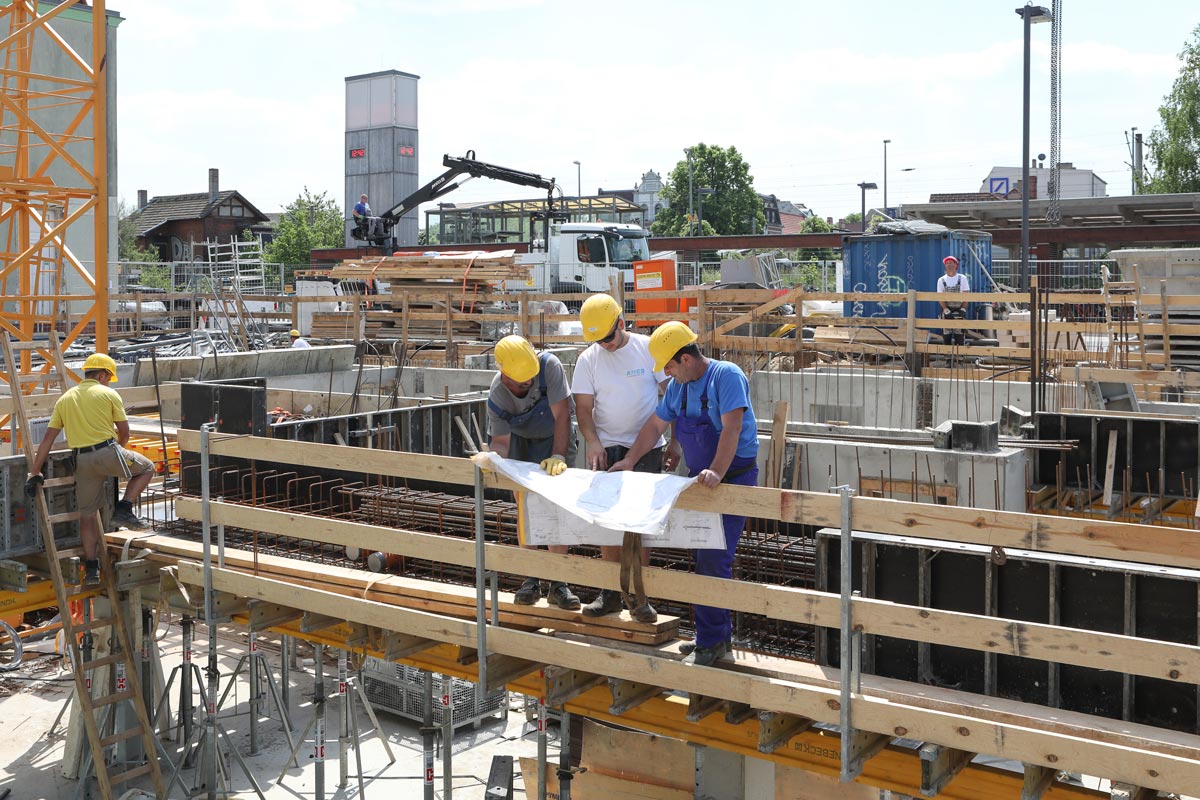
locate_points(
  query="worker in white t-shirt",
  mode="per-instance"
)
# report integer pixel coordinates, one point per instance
(616, 390)
(953, 282)
(298, 341)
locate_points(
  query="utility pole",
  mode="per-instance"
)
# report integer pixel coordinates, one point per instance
(688, 152)
(886, 142)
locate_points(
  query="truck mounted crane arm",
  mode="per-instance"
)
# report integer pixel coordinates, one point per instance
(378, 230)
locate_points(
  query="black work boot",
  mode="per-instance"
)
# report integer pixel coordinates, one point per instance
(528, 594)
(644, 614)
(687, 648)
(124, 517)
(605, 603)
(708, 656)
(562, 596)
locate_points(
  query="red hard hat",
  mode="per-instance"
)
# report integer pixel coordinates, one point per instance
(948, 259)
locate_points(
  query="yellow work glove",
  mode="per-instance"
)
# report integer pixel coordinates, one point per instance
(554, 465)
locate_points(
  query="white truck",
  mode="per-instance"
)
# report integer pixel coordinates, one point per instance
(584, 257)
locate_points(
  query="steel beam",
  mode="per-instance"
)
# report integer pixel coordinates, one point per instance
(776, 730)
(939, 765)
(630, 694)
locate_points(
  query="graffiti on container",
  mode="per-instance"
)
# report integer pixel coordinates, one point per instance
(887, 284)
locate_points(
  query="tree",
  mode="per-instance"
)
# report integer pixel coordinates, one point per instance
(308, 222)
(127, 246)
(732, 208)
(1175, 144)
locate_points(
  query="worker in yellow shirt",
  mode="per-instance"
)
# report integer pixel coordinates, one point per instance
(93, 418)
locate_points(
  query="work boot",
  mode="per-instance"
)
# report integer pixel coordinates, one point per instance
(605, 603)
(562, 596)
(687, 648)
(528, 594)
(91, 572)
(645, 614)
(708, 656)
(123, 517)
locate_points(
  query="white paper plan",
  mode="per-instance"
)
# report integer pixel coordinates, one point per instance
(585, 507)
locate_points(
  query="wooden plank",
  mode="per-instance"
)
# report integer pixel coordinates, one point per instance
(1122, 541)
(1028, 744)
(660, 761)
(1109, 465)
(1168, 660)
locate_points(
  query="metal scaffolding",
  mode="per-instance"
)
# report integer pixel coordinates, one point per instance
(53, 172)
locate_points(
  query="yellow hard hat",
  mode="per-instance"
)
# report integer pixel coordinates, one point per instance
(598, 314)
(516, 359)
(101, 361)
(295, 332)
(668, 340)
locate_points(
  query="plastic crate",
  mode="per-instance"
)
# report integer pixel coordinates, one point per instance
(400, 689)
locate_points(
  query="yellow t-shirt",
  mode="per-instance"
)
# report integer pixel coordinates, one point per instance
(86, 414)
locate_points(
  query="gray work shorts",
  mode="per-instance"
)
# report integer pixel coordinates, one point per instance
(92, 468)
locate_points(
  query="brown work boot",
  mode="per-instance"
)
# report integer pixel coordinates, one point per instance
(605, 603)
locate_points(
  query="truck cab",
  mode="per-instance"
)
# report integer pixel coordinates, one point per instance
(583, 256)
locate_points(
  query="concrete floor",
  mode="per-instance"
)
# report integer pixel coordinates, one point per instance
(30, 761)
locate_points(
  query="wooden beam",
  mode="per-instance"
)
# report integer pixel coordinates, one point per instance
(1172, 661)
(1144, 544)
(268, 615)
(1038, 780)
(1044, 743)
(627, 694)
(864, 745)
(563, 685)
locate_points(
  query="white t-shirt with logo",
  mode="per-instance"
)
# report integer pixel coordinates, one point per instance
(624, 385)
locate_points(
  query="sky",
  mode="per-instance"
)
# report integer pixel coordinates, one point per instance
(806, 91)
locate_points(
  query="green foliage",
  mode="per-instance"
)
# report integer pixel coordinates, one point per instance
(308, 222)
(733, 206)
(853, 218)
(1175, 143)
(812, 271)
(127, 247)
(157, 276)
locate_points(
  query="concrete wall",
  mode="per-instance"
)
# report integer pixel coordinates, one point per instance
(883, 400)
(311, 366)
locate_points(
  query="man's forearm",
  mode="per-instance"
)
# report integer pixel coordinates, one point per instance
(646, 438)
(726, 449)
(43, 451)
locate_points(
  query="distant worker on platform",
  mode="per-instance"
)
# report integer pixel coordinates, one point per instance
(953, 282)
(93, 418)
(529, 416)
(362, 214)
(616, 390)
(298, 341)
(708, 403)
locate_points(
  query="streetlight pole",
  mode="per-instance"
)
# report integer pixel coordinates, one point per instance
(886, 142)
(864, 186)
(688, 152)
(578, 180)
(1029, 15)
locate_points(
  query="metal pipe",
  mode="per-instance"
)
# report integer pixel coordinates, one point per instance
(344, 732)
(543, 764)
(846, 655)
(255, 690)
(1027, 18)
(209, 768)
(480, 593)
(319, 720)
(447, 737)
(427, 733)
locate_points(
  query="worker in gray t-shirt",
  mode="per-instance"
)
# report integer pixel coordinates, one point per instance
(529, 416)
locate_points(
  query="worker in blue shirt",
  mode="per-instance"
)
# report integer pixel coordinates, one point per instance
(362, 214)
(707, 403)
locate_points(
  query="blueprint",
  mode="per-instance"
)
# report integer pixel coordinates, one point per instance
(585, 507)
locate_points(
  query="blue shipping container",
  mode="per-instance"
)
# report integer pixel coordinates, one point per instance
(896, 263)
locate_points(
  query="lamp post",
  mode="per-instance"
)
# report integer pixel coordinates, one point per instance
(702, 191)
(688, 152)
(1029, 15)
(864, 186)
(886, 142)
(578, 180)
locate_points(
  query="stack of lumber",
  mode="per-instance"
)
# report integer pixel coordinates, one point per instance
(443, 270)
(413, 593)
(431, 295)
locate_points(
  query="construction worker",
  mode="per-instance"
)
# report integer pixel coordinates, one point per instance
(529, 416)
(615, 389)
(708, 403)
(953, 282)
(93, 418)
(362, 213)
(298, 342)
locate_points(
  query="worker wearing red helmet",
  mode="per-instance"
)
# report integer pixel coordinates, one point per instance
(953, 282)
